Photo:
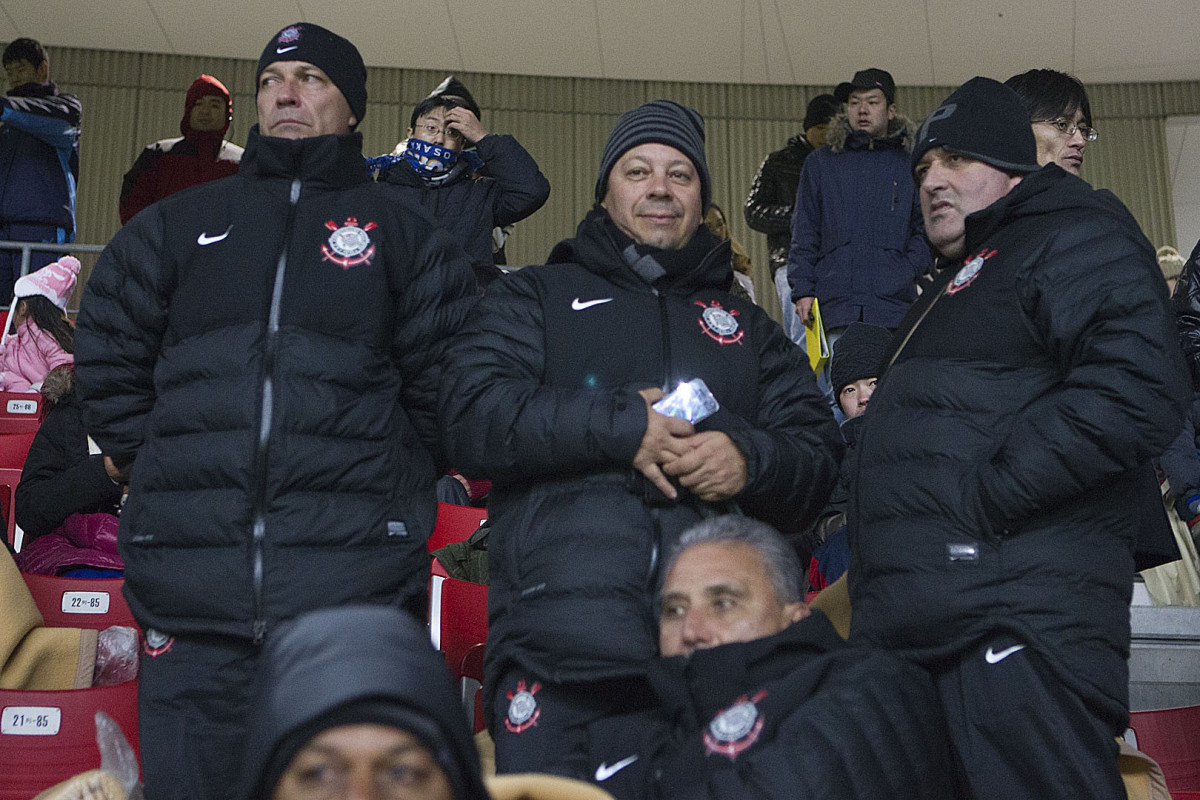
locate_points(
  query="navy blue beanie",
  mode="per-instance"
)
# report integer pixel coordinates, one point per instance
(983, 119)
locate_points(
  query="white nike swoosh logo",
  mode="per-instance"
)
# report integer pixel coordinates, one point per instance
(993, 657)
(204, 238)
(580, 305)
(604, 771)
(286, 49)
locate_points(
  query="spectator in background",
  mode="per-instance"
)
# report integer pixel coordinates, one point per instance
(199, 156)
(549, 392)
(857, 242)
(853, 371)
(772, 199)
(43, 339)
(1186, 300)
(469, 180)
(39, 159)
(1061, 115)
(743, 283)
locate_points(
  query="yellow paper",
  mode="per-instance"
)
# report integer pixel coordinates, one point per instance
(815, 341)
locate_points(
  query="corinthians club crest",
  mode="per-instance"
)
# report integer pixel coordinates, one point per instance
(523, 711)
(349, 245)
(969, 272)
(736, 728)
(719, 324)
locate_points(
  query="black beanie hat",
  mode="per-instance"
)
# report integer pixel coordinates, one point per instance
(983, 119)
(452, 87)
(857, 354)
(661, 122)
(337, 57)
(820, 110)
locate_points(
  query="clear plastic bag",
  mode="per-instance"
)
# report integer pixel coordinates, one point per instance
(116, 656)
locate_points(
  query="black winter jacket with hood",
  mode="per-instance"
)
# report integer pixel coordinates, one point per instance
(772, 197)
(799, 714)
(1186, 300)
(1001, 460)
(541, 396)
(350, 665)
(268, 347)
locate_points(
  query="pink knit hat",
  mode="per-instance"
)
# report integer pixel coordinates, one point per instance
(54, 281)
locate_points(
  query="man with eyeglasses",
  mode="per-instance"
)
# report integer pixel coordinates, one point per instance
(1060, 113)
(1003, 460)
(469, 180)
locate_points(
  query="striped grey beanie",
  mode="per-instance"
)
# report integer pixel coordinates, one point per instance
(661, 122)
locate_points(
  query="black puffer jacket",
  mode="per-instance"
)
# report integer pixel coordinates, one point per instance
(1001, 459)
(800, 715)
(268, 346)
(772, 197)
(468, 205)
(1186, 300)
(356, 665)
(542, 397)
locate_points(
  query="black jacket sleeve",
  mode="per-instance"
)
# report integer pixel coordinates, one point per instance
(521, 188)
(500, 422)
(1097, 301)
(118, 336)
(771, 200)
(1186, 300)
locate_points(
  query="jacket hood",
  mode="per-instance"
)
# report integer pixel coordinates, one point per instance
(1049, 189)
(595, 247)
(330, 161)
(356, 657)
(204, 86)
(901, 133)
(59, 383)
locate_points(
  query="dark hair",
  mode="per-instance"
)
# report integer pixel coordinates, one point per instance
(30, 50)
(50, 319)
(430, 103)
(781, 561)
(1049, 94)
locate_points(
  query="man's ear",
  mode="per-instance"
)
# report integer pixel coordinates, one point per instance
(353, 122)
(794, 612)
(43, 72)
(892, 111)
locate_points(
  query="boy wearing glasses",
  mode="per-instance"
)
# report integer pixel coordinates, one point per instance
(1061, 116)
(469, 180)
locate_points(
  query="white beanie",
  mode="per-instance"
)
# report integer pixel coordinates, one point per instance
(55, 282)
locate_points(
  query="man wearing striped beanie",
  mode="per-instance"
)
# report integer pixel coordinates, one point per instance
(552, 392)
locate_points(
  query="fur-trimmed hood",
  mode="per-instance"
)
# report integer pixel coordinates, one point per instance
(901, 132)
(59, 383)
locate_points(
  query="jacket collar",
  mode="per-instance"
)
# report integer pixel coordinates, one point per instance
(596, 249)
(331, 162)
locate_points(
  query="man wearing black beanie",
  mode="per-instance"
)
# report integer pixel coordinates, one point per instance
(261, 355)
(1005, 452)
(550, 392)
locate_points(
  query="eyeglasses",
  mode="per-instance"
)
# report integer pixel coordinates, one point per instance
(433, 130)
(1068, 128)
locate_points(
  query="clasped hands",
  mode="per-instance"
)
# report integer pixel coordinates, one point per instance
(708, 464)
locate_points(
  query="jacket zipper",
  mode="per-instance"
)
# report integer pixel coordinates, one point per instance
(668, 372)
(895, 194)
(264, 427)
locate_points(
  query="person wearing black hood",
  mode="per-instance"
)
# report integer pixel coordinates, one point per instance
(993, 516)
(468, 179)
(199, 156)
(351, 698)
(261, 356)
(549, 392)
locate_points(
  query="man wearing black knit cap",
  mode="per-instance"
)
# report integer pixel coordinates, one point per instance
(995, 505)
(549, 392)
(261, 355)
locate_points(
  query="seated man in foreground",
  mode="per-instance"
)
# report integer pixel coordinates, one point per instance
(760, 697)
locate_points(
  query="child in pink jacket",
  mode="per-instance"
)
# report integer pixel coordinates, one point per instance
(44, 338)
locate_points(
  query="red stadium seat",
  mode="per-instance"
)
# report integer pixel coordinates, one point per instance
(9, 478)
(80, 602)
(454, 524)
(458, 627)
(47, 737)
(1171, 736)
(20, 417)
